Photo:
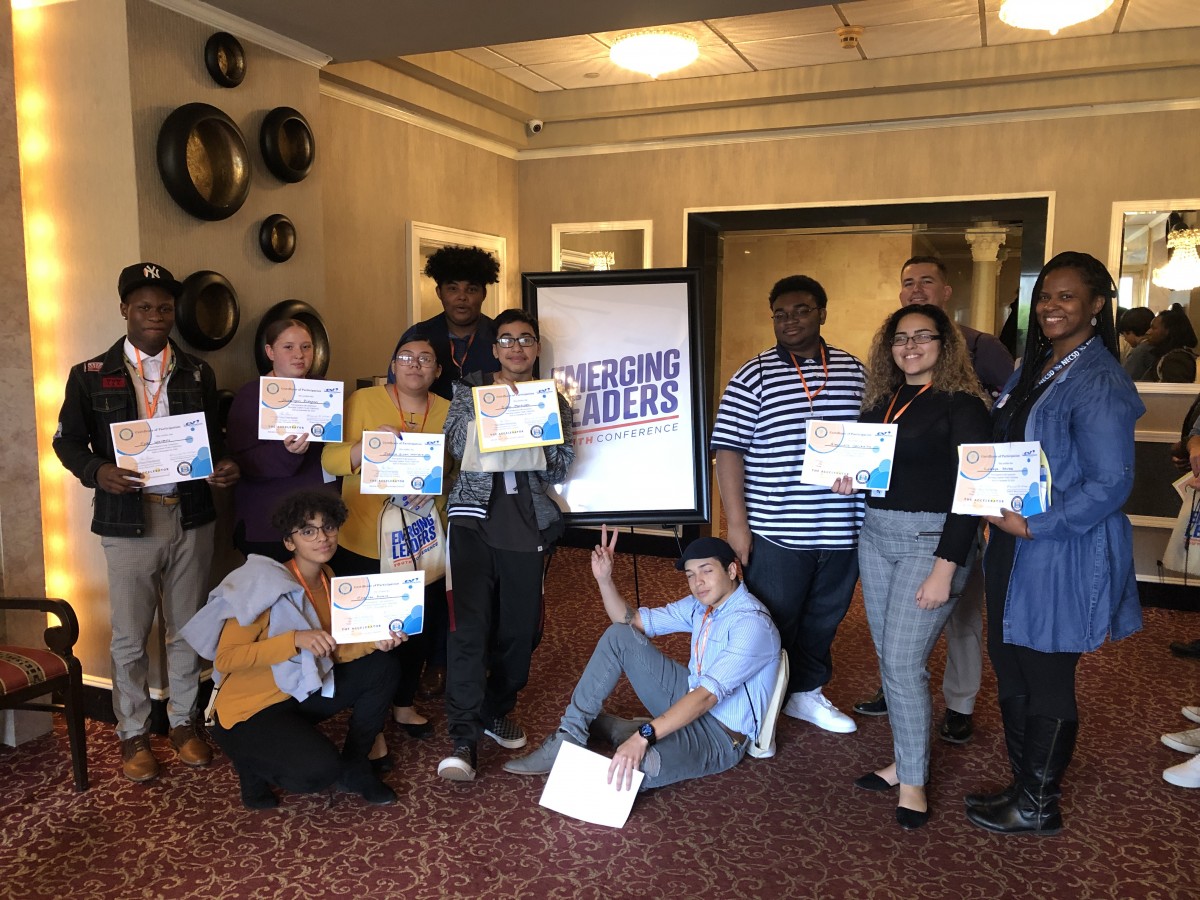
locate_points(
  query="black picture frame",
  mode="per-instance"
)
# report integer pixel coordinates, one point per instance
(619, 295)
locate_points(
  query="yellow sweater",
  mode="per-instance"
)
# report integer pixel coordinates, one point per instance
(245, 655)
(366, 410)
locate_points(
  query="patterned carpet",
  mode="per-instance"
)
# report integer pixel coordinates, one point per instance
(792, 826)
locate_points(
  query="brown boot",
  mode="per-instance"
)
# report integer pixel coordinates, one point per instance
(137, 760)
(189, 746)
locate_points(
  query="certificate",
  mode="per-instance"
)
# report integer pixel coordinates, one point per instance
(370, 607)
(508, 420)
(862, 451)
(578, 787)
(992, 477)
(164, 450)
(407, 463)
(288, 406)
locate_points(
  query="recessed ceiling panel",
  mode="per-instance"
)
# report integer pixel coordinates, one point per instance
(528, 78)
(1151, 15)
(576, 74)
(902, 12)
(771, 26)
(787, 53)
(486, 57)
(933, 36)
(533, 53)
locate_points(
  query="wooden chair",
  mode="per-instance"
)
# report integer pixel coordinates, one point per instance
(27, 673)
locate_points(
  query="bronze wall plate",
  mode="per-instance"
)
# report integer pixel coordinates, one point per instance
(203, 161)
(287, 143)
(277, 238)
(207, 313)
(303, 312)
(225, 59)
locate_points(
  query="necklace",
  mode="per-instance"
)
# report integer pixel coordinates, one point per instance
(406, 423)
(163, 372)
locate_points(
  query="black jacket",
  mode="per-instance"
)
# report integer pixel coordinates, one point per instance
(479, 355)
(99, 394)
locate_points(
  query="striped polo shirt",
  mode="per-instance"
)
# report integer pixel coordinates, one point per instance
(764, 415)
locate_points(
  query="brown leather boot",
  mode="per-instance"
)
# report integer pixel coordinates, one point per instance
(191, 749)
(137, 760)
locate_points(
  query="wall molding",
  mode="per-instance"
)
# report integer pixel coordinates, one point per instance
(247, 31)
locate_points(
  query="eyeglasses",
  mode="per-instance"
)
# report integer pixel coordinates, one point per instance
(424, 360)
(525, 340)
(310, 532)
(795, 314)
(921, 337)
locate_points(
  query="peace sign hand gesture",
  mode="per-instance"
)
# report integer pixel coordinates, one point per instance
(602, 556)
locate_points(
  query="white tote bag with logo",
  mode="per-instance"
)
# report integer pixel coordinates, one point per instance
(411, 536)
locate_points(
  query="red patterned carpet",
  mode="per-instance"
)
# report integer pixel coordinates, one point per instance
(792, 826)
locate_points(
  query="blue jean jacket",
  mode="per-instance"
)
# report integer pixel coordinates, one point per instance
(1073, 585)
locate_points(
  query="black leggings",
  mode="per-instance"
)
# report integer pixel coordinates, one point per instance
(282, 744)
(1047, 679)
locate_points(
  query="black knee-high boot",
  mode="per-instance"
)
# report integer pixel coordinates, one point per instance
(1012, 713)
(1049, 745)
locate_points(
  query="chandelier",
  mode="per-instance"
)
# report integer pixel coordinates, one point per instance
(1182, 271)
(1050, 15)
(654, 52)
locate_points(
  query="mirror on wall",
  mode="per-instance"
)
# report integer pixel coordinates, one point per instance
(1152, 255)
(599, 246)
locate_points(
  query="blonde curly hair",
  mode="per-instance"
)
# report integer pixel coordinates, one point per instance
(952, 373)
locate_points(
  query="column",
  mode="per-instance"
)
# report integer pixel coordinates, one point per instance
(985, 242)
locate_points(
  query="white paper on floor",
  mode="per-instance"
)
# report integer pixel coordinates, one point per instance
(578, 787)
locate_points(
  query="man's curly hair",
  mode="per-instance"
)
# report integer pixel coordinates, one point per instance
(294, 510)
(470, 264)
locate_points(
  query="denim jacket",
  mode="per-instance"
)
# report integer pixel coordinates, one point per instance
(1073, 585)
(100, 393)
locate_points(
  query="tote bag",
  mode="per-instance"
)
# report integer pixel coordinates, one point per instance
(411, 536)
(1183, 548)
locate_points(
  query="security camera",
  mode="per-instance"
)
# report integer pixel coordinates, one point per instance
(535, 126)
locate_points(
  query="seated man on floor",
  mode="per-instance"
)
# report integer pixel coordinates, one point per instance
(705, 715)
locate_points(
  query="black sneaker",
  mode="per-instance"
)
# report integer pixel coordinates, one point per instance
(875, 705)
(459, 765)
(507, 733)
(957, 727)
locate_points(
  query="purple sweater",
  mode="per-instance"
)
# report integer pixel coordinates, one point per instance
(269, 471)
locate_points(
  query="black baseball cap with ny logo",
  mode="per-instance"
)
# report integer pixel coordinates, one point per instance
(147, 273)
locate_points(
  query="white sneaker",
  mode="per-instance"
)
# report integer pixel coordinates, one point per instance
(1184, 741)
(1192, 712)
(1186, 774)
(811, 706)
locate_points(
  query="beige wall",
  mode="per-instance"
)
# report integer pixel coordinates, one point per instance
(381, 173)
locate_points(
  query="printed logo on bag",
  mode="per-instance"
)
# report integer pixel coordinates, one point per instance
(420, 537)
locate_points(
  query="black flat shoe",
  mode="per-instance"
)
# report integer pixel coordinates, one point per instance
(873, 782)
(417, 732)
(382, 764)
(908, 819)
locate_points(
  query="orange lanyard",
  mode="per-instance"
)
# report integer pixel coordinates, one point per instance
(466, 352)
(152, 402)
(887, 419)
(804, 381)
(307, 592)
(701, 644)
(410, 426)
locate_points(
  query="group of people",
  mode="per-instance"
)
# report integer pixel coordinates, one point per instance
(1158, 347)
(1058, 583)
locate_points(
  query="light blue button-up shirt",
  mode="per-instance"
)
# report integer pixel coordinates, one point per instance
(734, 655)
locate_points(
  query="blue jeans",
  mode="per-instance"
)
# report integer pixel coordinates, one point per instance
(701, 748)
(808, 593)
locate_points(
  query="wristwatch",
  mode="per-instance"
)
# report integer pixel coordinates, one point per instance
(647, 731)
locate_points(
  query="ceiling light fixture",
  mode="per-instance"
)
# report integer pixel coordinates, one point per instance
(1182, 271)
(1050, 15)
(654, 52)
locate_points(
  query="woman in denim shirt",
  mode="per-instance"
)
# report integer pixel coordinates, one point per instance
(1059, 582)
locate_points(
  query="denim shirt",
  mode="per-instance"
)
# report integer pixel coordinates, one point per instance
(1073, 585)
(100, 393)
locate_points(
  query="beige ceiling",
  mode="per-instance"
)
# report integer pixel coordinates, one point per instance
(807, 36)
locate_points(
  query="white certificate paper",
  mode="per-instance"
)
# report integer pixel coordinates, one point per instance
(507, 420)
(408, 463)
(370, 607)
(578, 787)
(164, 450)
(288, 406)
(862, 451)
(993, 477)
